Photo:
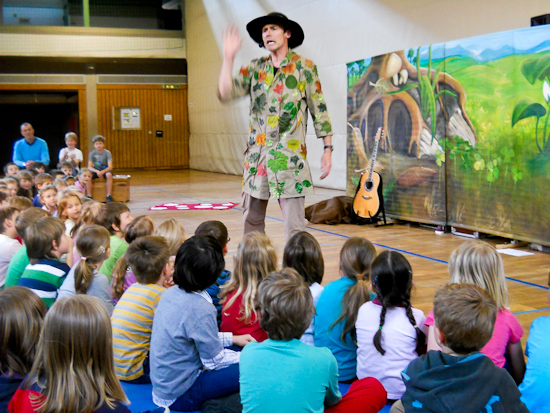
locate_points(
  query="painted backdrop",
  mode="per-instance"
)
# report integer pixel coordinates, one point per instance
(467, 132)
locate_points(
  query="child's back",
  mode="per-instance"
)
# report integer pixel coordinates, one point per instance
(459, 378)
(132, 319)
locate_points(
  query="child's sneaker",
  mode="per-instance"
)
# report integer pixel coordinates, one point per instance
(109, 198)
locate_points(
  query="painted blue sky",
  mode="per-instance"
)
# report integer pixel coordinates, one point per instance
(487, 47)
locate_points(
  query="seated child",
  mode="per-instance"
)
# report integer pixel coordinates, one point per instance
(46, 243)
(114, 216)
(339, 304)
(84, 277)
(39, 167)
(77, 338)
(25, 184)
(60, 184)
(48, 198)
(459, 378)
(535, 387)
(390, 332)
(84, 182)
(12, 184)
(11, 169)
(100, 162)
(69, 207)
(477, 262)
(284, 374)
(41, 181)
(255, 258)
(69, 180)
(71, 153)
(21, 315)
(217, 230)
(123, 276)
(188, 361)
(303, 254)
(174, 233)
(20, 260)
(132, 319)
(8, 242)
(66, 168)
(19, 202)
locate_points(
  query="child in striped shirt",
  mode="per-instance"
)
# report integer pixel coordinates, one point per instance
(132, 319)
(46, 242)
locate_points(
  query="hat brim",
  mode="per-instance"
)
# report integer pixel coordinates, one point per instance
(254, 29)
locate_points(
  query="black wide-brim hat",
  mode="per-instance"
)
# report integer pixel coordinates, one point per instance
(255, 27)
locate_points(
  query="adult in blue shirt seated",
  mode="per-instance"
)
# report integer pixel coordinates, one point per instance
(30, 149)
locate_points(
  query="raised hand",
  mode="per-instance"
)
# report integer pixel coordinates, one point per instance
(231, 42)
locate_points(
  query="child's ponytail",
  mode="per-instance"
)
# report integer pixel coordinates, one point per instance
(118, 277)
(421, 344)
(93, 245)
(83, 276)
(377, 340)
(355, 262)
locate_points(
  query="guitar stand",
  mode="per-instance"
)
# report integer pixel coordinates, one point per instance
(383, 210)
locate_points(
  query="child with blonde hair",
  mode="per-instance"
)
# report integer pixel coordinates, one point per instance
(19, 202)
(84, 182)
(174, 233)
(21, 316)
(12, 184)
(48, 198)
(390, 332)
(123, 276)
(85, 278)
(255, 258)
(73, 369)
(132, 319)
(68, 210)
(303, 254)
(477, 262)
(71, 153)
(339, 304)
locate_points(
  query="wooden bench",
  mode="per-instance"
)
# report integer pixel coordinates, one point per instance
(121, 189)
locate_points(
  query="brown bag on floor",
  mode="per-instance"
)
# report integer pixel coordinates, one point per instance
(332, 211)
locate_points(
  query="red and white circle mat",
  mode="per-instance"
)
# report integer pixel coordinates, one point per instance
(172, 206)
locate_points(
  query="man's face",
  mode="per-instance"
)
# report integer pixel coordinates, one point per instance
(99, 146)
(274, 37)
(28, 133)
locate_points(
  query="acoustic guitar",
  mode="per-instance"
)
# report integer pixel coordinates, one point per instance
(366, 202)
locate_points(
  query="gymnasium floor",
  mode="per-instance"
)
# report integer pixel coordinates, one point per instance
(427, 252)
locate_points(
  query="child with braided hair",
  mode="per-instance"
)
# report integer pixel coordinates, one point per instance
(84, 278)
(390, 332)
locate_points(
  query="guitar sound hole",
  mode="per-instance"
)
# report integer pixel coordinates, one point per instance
(368, 185)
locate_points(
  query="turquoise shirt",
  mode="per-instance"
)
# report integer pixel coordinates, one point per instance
(277, 376)
(329, 308)
(17, 265)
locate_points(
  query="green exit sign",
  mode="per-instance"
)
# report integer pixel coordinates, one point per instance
(170, 86)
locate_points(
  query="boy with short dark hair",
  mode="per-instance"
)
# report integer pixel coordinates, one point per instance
(115, 216)
(8, 242)
(132, 318)
(217, 230)
(282, 373)
(100, 162)
(46, 243)
(460, 378)
(39, 167)
(66, 168)
(11, 169)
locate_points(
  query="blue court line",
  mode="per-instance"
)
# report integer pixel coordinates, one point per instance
(532, 311)
(542, 287)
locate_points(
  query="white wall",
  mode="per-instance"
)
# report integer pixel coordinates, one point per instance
(337, 32)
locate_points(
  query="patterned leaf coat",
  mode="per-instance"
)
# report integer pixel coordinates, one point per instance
(275, 159)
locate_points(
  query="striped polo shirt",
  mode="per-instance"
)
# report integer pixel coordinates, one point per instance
(44, 278)
(132, 322)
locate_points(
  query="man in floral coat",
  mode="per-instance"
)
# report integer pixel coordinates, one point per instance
(282, 88)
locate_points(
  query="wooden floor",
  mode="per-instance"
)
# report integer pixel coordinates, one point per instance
(427, 252)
